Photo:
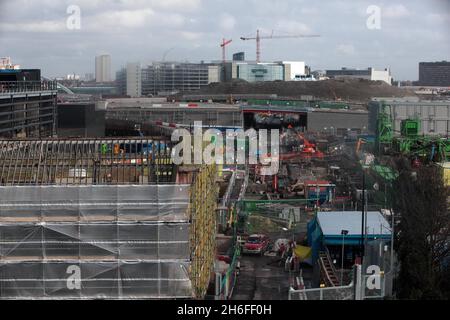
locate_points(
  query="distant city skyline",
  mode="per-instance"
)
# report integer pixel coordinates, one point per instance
(36, 35)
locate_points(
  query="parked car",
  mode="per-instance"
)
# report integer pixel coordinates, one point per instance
(256, 243)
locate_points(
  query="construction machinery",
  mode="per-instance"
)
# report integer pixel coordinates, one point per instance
(307, 150)
(420, 148)
(259, 37)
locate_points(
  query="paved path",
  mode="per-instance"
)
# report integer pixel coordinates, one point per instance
(259, 280)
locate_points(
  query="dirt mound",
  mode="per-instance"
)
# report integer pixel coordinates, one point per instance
(349, 89)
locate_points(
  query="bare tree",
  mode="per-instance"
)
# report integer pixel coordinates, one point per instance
(421, 199)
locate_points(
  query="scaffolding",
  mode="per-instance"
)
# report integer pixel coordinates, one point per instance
(83, 236)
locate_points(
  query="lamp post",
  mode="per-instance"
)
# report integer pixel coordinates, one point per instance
(343, 233)
(317, 196)
(363, 214)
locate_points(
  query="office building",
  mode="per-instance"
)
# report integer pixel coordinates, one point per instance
(434, 116)
(164, 78)
(263, 71)
(367, 74)
(293, 70)
(27, 104)
(434, 74)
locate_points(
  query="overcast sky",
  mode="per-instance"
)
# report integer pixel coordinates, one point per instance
(34, 33)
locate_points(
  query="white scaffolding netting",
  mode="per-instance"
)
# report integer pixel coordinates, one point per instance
(95, 242)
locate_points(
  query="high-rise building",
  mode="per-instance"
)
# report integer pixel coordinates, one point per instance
(434, 74)
(103, 68)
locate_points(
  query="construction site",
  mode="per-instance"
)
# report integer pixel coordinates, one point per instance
(94, 205)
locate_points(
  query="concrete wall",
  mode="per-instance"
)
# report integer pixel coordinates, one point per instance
(337, 122)
(382, 75)
(214, 74)
(187, 116)
(134, 80)
(80, 120)
(292, 69)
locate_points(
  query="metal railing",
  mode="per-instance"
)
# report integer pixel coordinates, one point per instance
(328, 293)
(27, 86)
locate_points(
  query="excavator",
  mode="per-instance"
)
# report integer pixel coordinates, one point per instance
(308, 150)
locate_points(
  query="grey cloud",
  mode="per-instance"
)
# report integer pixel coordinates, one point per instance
(143, 30)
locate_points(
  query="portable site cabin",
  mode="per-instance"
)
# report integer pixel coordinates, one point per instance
(325, 232)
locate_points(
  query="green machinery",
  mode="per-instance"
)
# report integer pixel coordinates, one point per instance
(424, 147)
(384, 131)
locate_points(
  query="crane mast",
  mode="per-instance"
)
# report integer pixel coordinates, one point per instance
(223, 45)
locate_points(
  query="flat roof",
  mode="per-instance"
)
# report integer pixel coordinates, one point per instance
(333, 222)
(167, 106)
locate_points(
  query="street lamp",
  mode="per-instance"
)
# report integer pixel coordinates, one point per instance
(343, 233)
(317, 195)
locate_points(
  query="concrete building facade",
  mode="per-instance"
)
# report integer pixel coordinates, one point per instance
(367, 74)
(263, 71)
(103, 68)
(239, 56)
(293, 69)
(129, 80)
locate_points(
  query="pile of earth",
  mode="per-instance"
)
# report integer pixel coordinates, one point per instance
(359, 90)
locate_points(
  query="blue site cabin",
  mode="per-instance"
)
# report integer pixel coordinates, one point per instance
(325, 230)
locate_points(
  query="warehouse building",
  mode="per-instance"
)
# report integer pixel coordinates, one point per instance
(434, 116)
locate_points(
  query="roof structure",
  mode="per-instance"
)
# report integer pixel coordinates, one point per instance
(333, 222)
(102, 161)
